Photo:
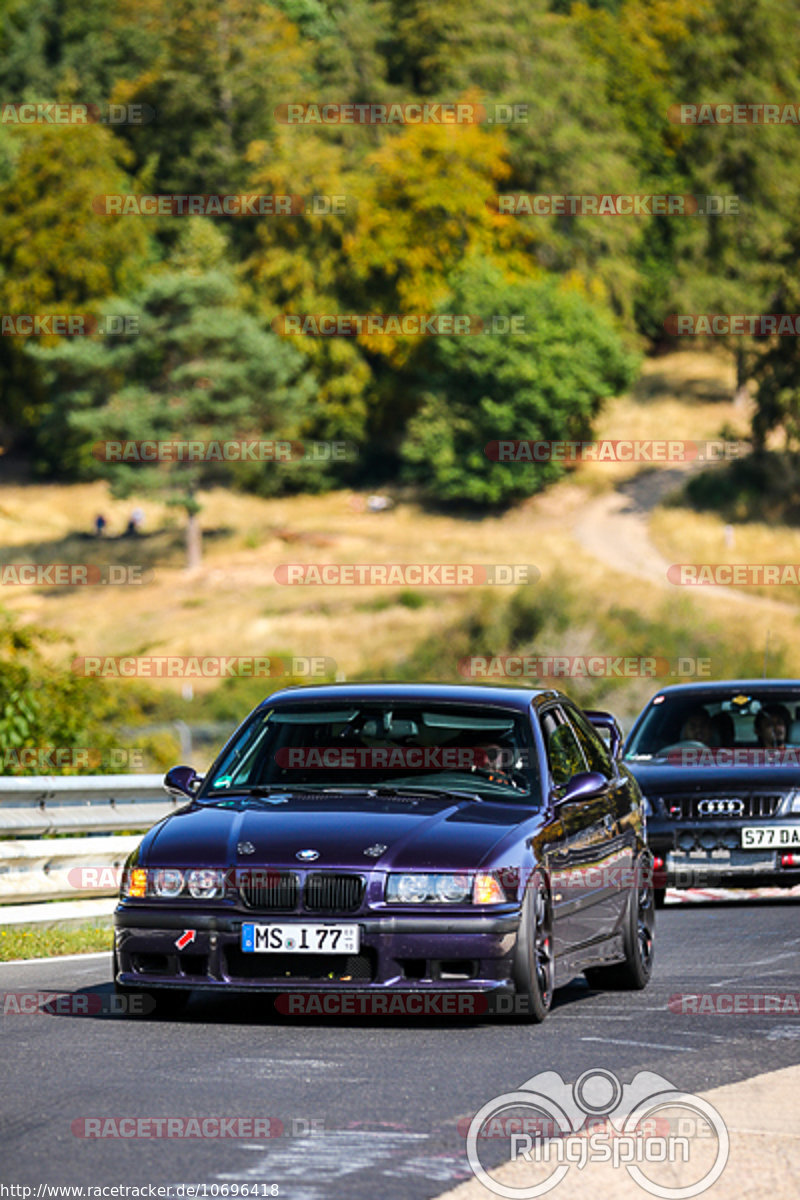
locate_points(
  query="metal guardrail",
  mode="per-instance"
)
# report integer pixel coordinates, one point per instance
(37, 864)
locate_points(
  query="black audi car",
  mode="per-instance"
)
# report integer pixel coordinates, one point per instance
(719, 766)
(396, 839)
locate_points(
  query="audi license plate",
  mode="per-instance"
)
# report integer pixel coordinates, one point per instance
(301, 939)
(771, 837)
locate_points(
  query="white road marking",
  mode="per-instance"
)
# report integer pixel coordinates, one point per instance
(649, 1045)
(58, 958)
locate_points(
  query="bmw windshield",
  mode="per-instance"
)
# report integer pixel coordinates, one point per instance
(481, 751)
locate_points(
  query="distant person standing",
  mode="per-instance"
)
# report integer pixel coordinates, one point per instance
(99, 525)
(135, 522)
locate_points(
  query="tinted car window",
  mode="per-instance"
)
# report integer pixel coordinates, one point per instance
(723, 719)
(594, 751)
(485, 750)
(563, 751)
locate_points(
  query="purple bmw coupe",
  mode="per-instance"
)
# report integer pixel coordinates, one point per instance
(396, 840)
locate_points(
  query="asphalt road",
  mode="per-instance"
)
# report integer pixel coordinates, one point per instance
(386, 1094)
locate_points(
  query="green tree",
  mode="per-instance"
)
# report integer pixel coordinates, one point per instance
(545, 382)
(189, 364)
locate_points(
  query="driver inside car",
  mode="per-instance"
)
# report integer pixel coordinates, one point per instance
(697, 727)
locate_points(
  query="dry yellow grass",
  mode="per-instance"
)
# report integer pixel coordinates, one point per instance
(233, 605)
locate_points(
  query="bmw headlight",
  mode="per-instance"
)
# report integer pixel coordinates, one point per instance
(167, 882)
(421, 889)
(206, 883)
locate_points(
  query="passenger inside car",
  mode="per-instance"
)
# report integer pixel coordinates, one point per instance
(772, 726)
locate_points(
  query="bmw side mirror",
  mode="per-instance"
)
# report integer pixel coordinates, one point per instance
(607, 723)
(182, 781)
(583, 786)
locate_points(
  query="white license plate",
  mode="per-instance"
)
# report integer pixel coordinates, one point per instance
(772, 837)
(301, 939)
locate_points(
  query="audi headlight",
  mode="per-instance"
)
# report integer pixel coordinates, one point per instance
(791, 802)
(205, 884)
(167, 882)
(421, 889)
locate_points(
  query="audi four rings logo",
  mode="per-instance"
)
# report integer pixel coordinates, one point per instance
(719, 808)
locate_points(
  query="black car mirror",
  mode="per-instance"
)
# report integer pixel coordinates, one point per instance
(182, 781)
(583, 786)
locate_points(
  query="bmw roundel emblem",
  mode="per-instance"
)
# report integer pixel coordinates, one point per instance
(307, 855)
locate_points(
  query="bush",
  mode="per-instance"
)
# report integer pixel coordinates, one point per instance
(545, 383)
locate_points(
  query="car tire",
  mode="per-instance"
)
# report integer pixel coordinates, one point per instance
(159, 1002)
(534, 967)
(634, 972)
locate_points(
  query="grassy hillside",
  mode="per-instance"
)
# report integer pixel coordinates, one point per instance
(583, 604)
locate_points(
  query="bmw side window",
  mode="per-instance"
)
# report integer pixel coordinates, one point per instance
(592, 745)
(563, 751)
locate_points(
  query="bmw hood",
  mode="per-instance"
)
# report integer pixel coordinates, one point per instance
(358, 832)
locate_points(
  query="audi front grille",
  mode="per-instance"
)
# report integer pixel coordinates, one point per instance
(700, 808)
